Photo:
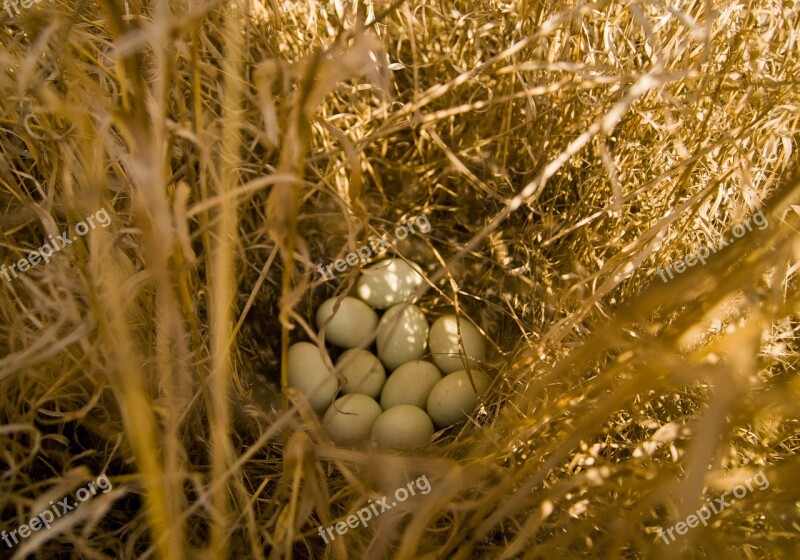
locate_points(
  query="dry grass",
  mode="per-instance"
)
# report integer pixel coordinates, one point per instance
(562, 152)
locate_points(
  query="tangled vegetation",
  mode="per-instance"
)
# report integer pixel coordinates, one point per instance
(564, 153)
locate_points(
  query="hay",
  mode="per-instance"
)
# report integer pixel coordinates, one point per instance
(562, 153)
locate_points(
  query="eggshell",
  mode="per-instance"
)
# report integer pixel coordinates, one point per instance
(452, 399)
(445, 350)
(402, 335)
(389, 282)
(363, 371)
(402, 427)
(352, 325)
(349, 420)
(308, 374)
(411, 383)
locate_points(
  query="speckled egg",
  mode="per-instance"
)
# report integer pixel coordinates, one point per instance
(389, 282)
(363, 372)
(402, 335)
(308, 374)
(352, 325)
(445, 350)
(411, 384)
(452, 399)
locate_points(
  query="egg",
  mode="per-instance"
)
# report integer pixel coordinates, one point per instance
(308, 374)
(363, 372)
(445, 350)
(452, 398)
(402, 427)
(349, 420)
(352, 325)
(389, 282)
(402, 335)
(411, 383)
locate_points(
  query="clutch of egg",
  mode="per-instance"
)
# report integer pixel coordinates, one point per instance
(417, 394)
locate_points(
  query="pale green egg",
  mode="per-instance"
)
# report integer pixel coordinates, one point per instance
(363, 372)
(452, 399)
(308, 374)
(352, 325)
(444, 346)
(411, 383)
(402, 335)
(350, 418)
(389, 282)
(402, 427)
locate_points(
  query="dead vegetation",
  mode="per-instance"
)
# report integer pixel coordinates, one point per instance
(562, 153)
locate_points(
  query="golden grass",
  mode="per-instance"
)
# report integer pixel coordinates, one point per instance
(562, 153)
